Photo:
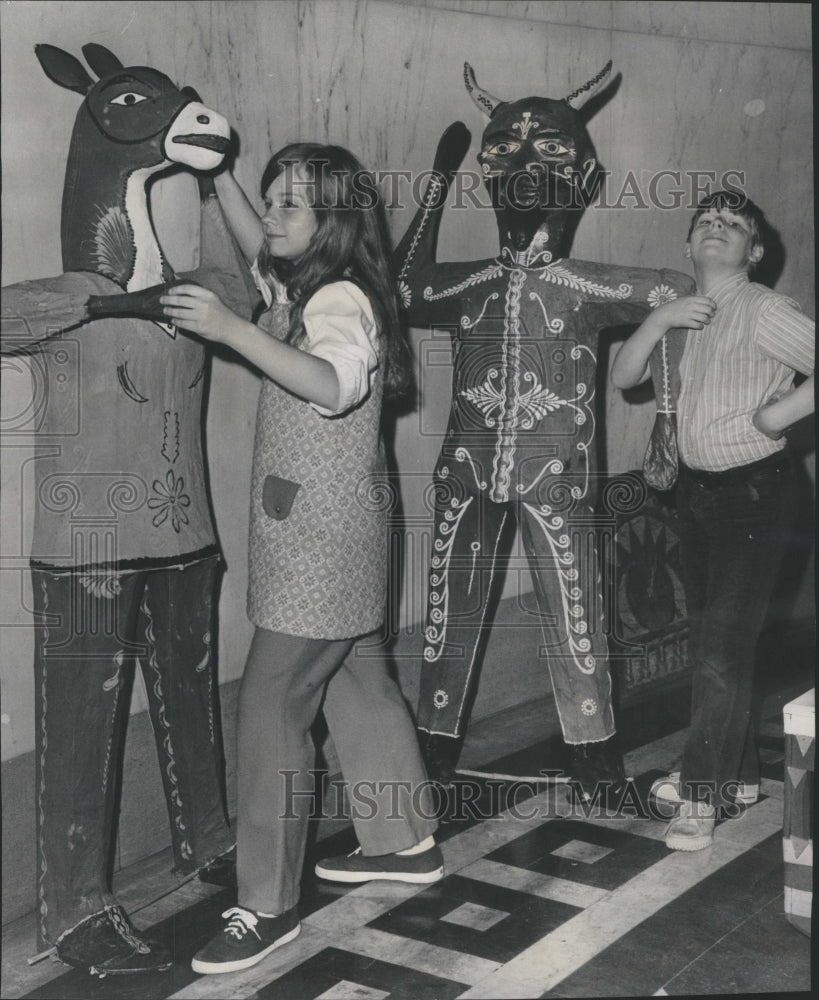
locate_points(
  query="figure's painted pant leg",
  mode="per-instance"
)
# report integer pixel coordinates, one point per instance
(95, 629)
(563, 559)
(177, 627)
(83, 670)
(472, 540)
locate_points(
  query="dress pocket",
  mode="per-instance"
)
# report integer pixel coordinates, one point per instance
(278, 496)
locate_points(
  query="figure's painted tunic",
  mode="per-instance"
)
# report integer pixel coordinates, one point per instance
(525, 368)
(120, 474)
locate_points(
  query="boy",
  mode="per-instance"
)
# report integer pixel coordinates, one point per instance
(734, 493)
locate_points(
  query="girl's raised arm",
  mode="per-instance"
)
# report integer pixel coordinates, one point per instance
(242, 217)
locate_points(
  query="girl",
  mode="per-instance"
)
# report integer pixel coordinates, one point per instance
(328, 345)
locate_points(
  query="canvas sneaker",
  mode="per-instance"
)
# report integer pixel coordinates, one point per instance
(245, 940)
(667, 791)
(692, 829)
(421, 869)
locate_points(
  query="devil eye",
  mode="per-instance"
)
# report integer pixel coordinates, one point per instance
(551, 147)
(502, 148)
(128, 100)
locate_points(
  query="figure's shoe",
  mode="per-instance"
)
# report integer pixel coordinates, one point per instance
(420, 869)
(440, 754)
(106, 944)
(667, 791)
(596, 771)
(245, 940)
(692, 829)
(221, 871)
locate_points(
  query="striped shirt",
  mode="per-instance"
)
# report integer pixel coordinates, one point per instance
(750, 351)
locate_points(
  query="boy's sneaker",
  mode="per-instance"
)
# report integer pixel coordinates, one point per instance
(692, 829)
(245, 940)
(667, 791)
(421, 869)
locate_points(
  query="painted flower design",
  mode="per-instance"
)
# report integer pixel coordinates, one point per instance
(405, 294)
(440, 699)
(169, 501)
(588, 706)
(659, 295)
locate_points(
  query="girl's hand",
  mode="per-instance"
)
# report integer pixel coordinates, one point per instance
(200, 311)
(692, 312)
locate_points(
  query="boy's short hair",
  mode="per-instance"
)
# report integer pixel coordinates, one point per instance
(738, 203)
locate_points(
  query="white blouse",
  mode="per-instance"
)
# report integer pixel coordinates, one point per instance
(340, 328)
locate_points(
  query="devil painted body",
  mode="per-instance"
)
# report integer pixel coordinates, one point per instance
(124, 556)
(521, 441)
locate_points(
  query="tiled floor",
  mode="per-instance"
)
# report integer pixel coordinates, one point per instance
(539, 899)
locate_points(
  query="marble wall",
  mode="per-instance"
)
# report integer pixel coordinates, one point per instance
(708, 87)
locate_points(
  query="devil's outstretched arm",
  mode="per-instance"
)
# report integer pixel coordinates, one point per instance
(419, 277)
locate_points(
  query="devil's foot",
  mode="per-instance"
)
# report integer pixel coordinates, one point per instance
(440, 755)
(106, 944)
(597, 773)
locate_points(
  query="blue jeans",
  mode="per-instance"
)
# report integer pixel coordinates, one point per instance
(733, 530)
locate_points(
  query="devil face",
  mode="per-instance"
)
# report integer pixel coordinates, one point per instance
(538, 163)
(141, 107)
(533, 155)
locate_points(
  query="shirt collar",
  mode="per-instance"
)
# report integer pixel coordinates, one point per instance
(725, 289)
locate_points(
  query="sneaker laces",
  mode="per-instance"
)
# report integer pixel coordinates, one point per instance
(352, 854)
(241, 921)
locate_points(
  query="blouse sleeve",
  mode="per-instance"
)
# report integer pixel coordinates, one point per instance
(340, 328)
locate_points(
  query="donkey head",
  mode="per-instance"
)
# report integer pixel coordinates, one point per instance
(133, 122)
(536, 156)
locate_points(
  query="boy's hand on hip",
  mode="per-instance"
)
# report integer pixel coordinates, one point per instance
(767, 419)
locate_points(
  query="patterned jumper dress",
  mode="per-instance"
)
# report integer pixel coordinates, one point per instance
(318, 517)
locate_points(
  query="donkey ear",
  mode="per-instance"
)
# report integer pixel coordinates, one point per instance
(63, 69)
(101, 60)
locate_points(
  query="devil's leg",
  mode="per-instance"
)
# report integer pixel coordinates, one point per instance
(563, 558)
(471, 543)
(177, 627)
(566, 577)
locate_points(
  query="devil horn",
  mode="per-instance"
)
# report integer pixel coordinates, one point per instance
(486, 102)
(101, 60)
(578, 97)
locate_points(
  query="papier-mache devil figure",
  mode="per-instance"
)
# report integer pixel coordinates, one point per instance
(520, 445)
(125, 560)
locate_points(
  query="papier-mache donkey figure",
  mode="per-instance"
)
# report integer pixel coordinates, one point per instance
(521, 442)
(125, 560)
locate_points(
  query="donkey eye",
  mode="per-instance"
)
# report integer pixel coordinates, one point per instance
(128, 100)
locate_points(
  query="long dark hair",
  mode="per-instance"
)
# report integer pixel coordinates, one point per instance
(351, 243)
